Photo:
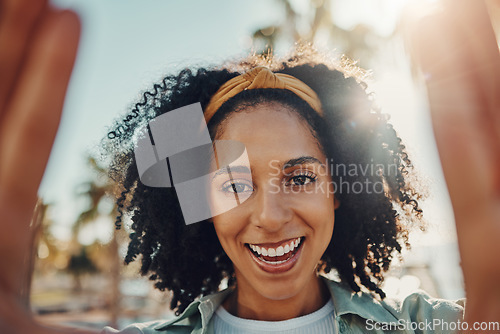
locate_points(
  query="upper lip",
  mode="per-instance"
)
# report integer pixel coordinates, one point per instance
(273, 244)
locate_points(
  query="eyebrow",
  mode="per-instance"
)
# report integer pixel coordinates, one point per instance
(287, 164)
(300, 161)
(232, 169)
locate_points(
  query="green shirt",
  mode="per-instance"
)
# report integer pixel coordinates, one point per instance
(355, 313)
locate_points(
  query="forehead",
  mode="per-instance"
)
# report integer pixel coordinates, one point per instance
(271, 131)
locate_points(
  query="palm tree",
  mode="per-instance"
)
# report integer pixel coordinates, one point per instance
(97, 191)
(360, 42)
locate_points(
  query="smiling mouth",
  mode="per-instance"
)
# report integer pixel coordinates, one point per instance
(276, 256)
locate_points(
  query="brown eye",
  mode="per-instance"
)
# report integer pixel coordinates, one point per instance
(302, 179)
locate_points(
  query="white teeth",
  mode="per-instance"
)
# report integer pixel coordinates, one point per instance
(271, 252)
(280, 251)
(273, 262)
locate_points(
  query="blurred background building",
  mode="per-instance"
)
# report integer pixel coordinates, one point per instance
(127, 46)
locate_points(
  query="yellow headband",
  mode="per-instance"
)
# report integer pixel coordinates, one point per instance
(261, 77)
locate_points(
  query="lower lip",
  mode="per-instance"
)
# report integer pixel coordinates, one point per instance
(278, 268)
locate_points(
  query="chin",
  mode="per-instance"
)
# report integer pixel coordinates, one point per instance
(280, 289)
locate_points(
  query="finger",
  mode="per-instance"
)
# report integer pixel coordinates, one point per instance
(18, 19)
(459, 57)
(28, 131)
(459, 47)
(479, 50)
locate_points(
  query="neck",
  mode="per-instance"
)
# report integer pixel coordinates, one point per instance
(247, 303)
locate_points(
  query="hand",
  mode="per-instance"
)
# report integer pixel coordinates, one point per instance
(458, 54)
(37, 50)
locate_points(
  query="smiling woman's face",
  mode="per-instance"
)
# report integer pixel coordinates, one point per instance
(276, 238)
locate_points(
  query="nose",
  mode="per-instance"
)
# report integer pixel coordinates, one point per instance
(272, 210)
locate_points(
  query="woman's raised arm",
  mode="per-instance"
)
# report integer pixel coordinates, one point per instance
(459, 57)
(38, 46)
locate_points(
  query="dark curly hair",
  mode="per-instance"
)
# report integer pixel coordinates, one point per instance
(370, 226)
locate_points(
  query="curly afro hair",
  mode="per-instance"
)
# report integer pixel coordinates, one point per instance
(371, 227)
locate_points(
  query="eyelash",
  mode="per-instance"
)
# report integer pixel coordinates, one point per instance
(310, 176)
(229, 187)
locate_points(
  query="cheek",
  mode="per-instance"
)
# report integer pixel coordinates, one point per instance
(228, 227)
(317, 210)
(317, 201)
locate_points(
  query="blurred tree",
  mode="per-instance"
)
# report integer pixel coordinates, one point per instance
(107, 257)
(53, 254)
(313, 23)
(80, 264)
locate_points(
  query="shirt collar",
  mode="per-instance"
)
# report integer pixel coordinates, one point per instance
(362, 304)
(344, 299)
(204, 307)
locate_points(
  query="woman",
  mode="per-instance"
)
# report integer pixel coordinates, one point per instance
(326, 188)
(253, 297)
